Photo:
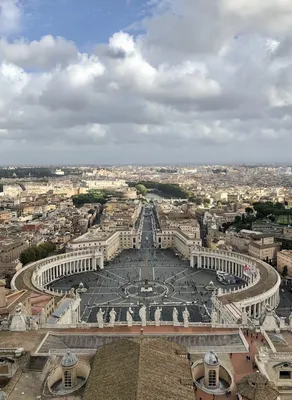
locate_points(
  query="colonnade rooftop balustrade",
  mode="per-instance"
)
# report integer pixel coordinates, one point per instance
(266, 286)
(269, 278)
(25, 278)
(269, 281)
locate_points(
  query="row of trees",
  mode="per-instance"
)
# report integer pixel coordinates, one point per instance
(35, 253)
(173, 190)
(244, 222)
(269, 208)
(20, 172)
(92, 196)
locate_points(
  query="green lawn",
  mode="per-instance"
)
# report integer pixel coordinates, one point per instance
(284, 219)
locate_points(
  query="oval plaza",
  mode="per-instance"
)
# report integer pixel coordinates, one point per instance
(121, 271)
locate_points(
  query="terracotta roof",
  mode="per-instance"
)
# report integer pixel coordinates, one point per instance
(256, 386)
(139, 369)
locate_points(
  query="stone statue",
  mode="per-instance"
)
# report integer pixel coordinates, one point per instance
(113, 315)
(282, 322)
(33, 324)
(4, 325)
(157, 316)
(214, 317)
(244, 319)
(186, 316)
(142, 315)
(19, 319)
(99, 317)
(175, 317)
(290, 320)
(130, 313)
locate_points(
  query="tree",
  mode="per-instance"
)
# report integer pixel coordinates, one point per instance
(285, 271)
(28, 255)
(35, 253)
(141, 189)
(249, 210)
(237, 219)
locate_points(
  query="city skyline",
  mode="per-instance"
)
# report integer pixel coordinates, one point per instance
(158, 82)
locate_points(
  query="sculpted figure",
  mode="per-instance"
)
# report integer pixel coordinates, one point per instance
(157, 316)
(113, 315)
(290, 320)
(214, 317)
(142, 315)
(19, 319)
(99, 317)
(175, 317)
(130, 313)
(186, 316)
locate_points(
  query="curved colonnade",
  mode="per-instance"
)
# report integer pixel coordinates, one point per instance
(53, 268)
(262, 280)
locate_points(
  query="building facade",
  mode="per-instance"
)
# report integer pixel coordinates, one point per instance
(284, 259)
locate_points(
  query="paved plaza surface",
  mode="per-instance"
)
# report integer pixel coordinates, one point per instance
(120, 285)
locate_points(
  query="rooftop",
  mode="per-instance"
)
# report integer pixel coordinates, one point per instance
(153, 369)
(268, 279)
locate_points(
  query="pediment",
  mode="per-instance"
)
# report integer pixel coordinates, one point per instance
(283, 366)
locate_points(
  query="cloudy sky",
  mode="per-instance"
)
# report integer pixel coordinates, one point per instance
(145, 81)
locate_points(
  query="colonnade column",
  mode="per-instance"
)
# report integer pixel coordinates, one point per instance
(192, 261)
(199, 261)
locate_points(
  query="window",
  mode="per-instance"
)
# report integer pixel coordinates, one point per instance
(212, 378)
(67, 379)
(285, 375)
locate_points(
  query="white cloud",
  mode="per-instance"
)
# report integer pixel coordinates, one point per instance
(204, 75)
(45, 53)
(10, 16)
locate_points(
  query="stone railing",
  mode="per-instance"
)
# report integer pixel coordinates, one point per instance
(41, 266)
(244, 259)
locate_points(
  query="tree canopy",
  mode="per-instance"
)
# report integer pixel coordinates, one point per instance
(92, 196)
(35, 253)
(141, 189)
(170, 189)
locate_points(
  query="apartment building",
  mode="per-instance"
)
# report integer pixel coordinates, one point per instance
(109, 243)
(117, 230)
(181, 241)
(177, 229)
(284, 259)
(10, 249)
(264, 247)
